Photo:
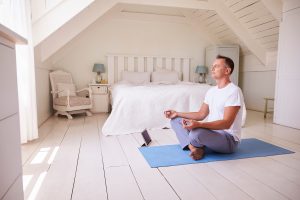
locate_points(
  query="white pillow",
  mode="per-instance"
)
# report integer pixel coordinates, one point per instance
(136, 77)
(165, 76)
(159, 69)
(65, 87)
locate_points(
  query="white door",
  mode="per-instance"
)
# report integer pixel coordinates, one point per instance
(287, 95)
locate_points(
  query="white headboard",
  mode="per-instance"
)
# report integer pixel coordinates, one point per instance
(117, 63)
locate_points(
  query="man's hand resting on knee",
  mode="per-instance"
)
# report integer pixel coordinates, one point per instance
(200, 115)
(170, 114)
(189, 124)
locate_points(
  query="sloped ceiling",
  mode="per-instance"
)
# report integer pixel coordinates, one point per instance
(256, 18)
(218, 28)
(252, 15)
(249, 23)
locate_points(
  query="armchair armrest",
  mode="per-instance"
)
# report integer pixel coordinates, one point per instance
(56, 92)
(68, 95)
(84, 91)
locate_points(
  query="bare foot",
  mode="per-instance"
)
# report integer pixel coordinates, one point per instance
(196, 153)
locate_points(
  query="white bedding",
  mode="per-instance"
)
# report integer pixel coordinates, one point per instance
(135, 108)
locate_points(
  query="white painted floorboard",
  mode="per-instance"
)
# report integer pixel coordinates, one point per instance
(41, 157)
(185, 184)
(150, 181)
(90, 179)
(73, 160)
(121, 183)
(59, 179)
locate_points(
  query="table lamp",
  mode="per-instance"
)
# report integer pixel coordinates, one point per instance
(202, 71)
(99, 68)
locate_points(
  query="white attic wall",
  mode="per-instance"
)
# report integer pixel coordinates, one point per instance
(132, 36)
(61, 38)
(167, 14)
(244, 22)
(198, 26)
(73, 27)
(66, 33)
(207, 23)
(257, 80)
(49, 17)
(43, 95)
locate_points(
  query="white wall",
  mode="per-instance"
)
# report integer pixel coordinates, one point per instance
(44, 110)
(114, 35)
(129, 37)
(43, 96)
(257, 80)
(287, 108)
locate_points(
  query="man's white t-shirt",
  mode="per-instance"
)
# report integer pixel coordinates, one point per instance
(219, 98)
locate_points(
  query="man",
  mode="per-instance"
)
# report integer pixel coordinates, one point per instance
(222, 106)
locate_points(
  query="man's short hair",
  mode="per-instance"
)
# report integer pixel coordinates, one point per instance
(228, 62)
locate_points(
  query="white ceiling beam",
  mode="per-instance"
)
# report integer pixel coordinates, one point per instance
(74, 27)
(228, 17)
(149, 17)
(55, 18)
(192, 4)
(275, 8)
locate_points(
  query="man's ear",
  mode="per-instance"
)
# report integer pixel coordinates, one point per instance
(228, 70)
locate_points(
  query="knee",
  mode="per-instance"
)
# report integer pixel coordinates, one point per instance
(175, 120)
(195, 137)
(197, 134)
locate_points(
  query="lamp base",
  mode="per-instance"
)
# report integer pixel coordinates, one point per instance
(202, 78)
(98, 78)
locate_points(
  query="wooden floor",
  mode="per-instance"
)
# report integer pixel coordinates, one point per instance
(73, 160)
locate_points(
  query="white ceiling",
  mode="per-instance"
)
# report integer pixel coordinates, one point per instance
(252, 24)
(251, 14)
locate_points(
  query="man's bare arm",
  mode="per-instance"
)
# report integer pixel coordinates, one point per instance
(229, 117)
(200, 115)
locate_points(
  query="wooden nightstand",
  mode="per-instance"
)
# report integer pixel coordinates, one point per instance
(100, 96)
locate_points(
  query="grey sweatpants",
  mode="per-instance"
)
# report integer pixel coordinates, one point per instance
(217, 140)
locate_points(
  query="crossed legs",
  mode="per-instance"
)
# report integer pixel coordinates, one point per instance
(196, 139)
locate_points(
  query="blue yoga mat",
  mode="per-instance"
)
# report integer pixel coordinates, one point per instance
(170, 155)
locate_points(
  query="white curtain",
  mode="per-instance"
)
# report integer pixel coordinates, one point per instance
(15, 14)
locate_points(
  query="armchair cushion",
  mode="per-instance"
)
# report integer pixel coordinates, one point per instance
(74, 101)
(64, 87)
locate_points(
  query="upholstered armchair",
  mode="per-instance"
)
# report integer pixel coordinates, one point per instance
(66, 99)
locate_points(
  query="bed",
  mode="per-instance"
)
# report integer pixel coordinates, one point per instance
(140, 105)
(136, 107)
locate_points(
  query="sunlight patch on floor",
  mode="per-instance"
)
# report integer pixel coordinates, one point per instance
(26, 181)
(40, 156)
(53, 154)
(37, 186)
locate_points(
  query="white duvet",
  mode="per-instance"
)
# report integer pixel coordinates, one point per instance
(135, 108)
